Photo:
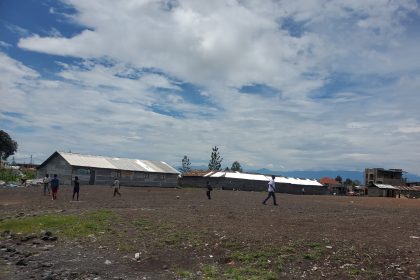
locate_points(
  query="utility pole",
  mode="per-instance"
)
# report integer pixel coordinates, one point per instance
(31, 160)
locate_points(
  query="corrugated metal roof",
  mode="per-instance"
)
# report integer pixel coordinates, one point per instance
(246, 176)
(297, 181)
(117, 163)
(383, 186)
(260, 177)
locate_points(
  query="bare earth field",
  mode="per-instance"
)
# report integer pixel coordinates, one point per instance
(179, 234)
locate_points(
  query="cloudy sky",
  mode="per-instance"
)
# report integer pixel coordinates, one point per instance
(284, 85)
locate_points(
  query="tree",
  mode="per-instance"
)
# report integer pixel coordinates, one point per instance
(236, 166)
(356, 183)
(339, 179)
(7, 146)
(348, 182)
(186, 165)
(215, 160)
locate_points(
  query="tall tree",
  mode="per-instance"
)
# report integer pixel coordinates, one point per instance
(339, 179)
(236, 166)
(348, 182)
(215, 160)
(7, 145)
(186, 165)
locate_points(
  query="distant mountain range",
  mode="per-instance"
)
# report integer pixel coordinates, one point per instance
(353, 175)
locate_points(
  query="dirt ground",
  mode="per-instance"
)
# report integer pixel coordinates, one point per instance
(180, 234)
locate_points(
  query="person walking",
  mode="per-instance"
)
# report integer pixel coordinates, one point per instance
(209, 189)
(271, 189)
(76, 188)
(55, 183)
(303, 191)
(117, 187)
(46, 182)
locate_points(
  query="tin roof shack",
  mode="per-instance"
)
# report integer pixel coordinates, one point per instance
(410, 191)
(382, 190)
(333, 186)
(252, 182)
(393, 177)
(194, 178)
(100, 170)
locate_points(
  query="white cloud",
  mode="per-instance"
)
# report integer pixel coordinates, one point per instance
(220, 46)
(4, 44)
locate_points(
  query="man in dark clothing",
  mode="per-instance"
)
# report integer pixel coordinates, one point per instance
(76, 188)
(209, 189)
(55, 183)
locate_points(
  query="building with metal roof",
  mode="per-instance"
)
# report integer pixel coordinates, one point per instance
(251, 182)
(101, 170)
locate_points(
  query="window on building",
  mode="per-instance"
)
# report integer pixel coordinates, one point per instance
(82, 171)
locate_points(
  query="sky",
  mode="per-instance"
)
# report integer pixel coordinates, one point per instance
(282, 85)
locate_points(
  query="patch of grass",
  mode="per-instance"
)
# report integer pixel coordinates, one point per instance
(184, 274)
(69, 226)
(314, 255)
(315, 245)
(210, 272)
(142, 224)
(353, 271)
(249, 273)
(264, 263)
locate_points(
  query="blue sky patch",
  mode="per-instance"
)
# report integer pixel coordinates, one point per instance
(294, 28)
(260, 89)
(13, 114)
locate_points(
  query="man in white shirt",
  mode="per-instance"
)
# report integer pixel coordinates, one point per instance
(271, 189)
(46, 182)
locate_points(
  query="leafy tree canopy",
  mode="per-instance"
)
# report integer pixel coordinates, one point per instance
(186, 165)
(7, 145)
(339, 179)
(215, 159)
(236, 166)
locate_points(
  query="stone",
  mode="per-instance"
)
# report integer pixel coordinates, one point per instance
(46, 264)
(28, 237)
(22, 262)
(108, 262)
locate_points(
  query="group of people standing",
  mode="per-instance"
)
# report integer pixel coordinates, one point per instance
(54, 184)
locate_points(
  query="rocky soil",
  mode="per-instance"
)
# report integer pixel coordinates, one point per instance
(153, 233)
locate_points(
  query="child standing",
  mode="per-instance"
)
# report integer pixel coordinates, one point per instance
(55, 183)
(209, 189)
(76, 188)
(46, 182)
(116, 187)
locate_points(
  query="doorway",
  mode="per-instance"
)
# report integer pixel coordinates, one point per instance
(92, 177)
